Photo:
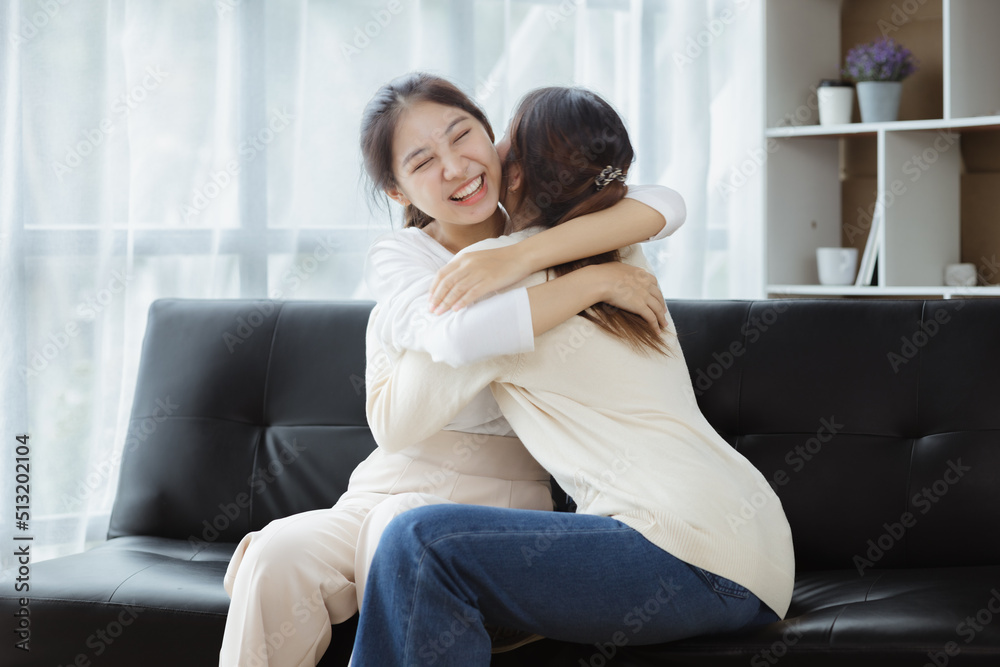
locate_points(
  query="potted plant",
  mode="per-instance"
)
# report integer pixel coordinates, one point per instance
(878, 68)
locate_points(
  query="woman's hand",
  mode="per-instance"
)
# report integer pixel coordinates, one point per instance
(475, 274)
(635, 290)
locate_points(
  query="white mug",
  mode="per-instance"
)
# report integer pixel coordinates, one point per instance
(837, 266)
(835, 103)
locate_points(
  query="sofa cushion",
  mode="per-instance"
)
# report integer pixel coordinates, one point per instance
(859, 413)
(894, 618)
(116, 604)
(244, 412)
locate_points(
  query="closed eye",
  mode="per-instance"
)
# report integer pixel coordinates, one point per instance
(422, 164)
(461, 135)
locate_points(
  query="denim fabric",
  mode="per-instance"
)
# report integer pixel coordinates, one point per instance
(441, 572)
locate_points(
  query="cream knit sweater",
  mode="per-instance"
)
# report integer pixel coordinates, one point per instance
(619, 429)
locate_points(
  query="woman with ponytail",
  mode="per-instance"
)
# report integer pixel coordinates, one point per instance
(659, 548)
(300, 574)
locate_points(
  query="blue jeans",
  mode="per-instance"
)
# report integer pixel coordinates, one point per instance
(441, 572)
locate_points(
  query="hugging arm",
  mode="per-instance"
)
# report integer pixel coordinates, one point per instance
(409, 397)
(648, 213)
(399, 274)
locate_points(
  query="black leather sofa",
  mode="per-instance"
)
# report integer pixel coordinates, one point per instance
(877, 422)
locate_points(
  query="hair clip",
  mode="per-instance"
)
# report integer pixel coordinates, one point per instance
(607, 175)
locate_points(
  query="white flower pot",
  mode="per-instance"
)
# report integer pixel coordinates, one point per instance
(879, 100)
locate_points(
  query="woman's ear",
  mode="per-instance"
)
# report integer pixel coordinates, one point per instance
(513, 177)
(397, 196)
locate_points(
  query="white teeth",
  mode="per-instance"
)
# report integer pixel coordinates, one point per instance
(468, 189)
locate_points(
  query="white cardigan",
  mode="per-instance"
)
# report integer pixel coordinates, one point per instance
(399, 271)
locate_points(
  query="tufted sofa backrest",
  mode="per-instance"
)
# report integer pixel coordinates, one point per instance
(244, 411)
(877, 422)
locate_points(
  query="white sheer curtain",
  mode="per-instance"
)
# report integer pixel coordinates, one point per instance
(208, 148)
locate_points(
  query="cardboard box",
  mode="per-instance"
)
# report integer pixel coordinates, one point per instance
(981, 151)
(857, 204)
(859, 157)
(981, 224)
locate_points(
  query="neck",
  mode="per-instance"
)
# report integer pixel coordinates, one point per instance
(454, 237)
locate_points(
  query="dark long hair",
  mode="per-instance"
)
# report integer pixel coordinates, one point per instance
(562, 138)
(381, 115)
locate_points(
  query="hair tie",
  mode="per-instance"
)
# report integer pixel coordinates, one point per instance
(607, 175)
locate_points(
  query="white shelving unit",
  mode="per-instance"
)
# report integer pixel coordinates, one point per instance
(918, 162)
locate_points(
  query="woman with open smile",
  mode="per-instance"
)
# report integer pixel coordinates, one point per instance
(432, 150)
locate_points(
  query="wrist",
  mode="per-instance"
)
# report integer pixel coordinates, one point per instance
(598, 287)
(529, 254)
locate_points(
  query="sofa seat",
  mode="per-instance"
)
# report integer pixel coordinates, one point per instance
(904, 618)
(892, 617)
(173, 585)
(936, 614)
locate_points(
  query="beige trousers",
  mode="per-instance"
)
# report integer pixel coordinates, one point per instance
(298, 575)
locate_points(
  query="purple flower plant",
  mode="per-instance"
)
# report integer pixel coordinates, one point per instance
(881, 60)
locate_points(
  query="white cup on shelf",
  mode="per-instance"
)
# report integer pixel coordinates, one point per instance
(837, 266)
(960, 275)
(836, 100)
